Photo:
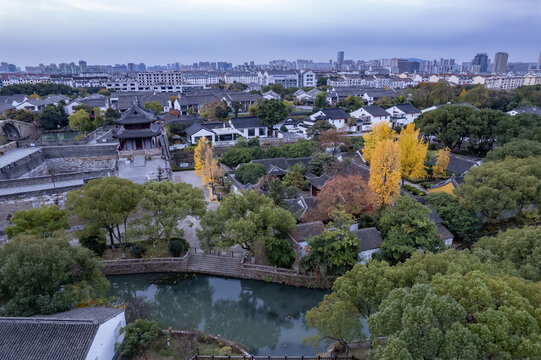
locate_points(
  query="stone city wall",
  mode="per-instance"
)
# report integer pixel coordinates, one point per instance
(81, 175)
(80, 151)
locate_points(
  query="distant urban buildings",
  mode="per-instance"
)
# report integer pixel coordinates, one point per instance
(500, 62)
(479, 63)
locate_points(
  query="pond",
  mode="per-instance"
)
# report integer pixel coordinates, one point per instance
(267, 318)
(59, 136)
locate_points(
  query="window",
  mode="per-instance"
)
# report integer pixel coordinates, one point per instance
(262, 132)
(251, 132)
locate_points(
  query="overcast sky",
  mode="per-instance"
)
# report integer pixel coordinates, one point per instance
(166, 31)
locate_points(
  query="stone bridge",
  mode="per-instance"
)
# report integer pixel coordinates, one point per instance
(17, 130)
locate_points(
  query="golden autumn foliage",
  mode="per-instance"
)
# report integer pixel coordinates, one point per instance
(442, 161)
(413, 150)
(206, 164)
(379, 132)
(385, 171)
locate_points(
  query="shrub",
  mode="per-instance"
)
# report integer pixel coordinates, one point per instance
(178, 246)
(250, 173)
(414, 190)
(280, 252)
(138, 251)
(94, 240)
(426, 184)
(137, 337)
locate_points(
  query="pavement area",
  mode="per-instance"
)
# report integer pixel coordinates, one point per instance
(140, 169)
(16, 154)
(191, 224)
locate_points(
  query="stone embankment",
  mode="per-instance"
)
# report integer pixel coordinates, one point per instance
(229, 265)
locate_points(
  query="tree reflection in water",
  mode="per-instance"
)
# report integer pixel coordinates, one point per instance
(266, 318)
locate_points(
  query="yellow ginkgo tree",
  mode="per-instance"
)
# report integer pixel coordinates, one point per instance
(379, 132)
(413, 150)
(385, 171)
(442, 161)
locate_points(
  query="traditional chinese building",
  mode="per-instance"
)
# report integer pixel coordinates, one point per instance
(137, 130)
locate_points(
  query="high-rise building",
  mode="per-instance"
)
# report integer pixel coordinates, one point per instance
(539, 62)
(82, 66)
(339, 59)
(480, 63)
(500, 62)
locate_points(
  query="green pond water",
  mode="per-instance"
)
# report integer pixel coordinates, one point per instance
(267, 318)
(63, 135)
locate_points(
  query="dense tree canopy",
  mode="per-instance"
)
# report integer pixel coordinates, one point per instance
(405, 228)
(495, 186)
(518, 251)
(413, 150)
(334, 140)
(215, 110)
(463, 223)
(378, 133)
(434, 306)
(42, 89)
(154, 106)
(42, 221)
(250, 173)
(249, 219)
(319, 162)
(319, 127)
(518, 149)
(37, 276)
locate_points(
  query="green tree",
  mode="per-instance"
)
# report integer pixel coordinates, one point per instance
(350, 103)
(405, 228)
(494, 186)
(277, 191)
(478, 96)
(319, 126)
(517, 149)
(463, 223)
(215, 110)
(448, 124)
(137, 337)
(80, 121)
(521, 126)
(320, 101)
(250, 173)
(166, 204)
(334, 252)
(236, 107)
(249, 220)
(518, 251)
(422, 324)
(280, 252)
(52, 117)
(42, 221)
(335, 320)
(154, 106)
(38, 276)
(93, 239)
(111, 115)
(319, 162)
(271, 112)
(295, 177)
(106, 203)
(322, 81)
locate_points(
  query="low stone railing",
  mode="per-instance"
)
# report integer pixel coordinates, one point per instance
(246, 271)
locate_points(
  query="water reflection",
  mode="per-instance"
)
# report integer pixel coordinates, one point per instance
(266, 318)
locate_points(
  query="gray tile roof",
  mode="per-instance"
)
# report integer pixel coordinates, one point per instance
(279, 166)
(136, 115)
(375, 110)
(444, 233)
(246, 122)
(95, 102)
(335, 113)
(306, 231)
(63, 336)
(408, 108)
(459, 164)
(370, 238)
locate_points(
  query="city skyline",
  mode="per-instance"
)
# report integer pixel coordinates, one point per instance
(238, 31)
